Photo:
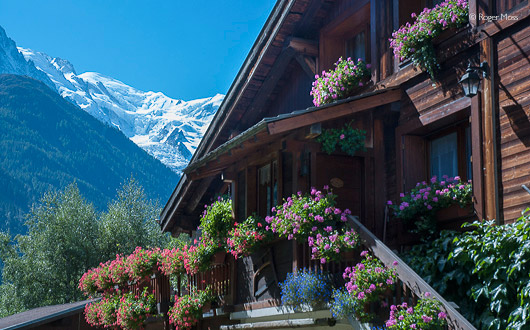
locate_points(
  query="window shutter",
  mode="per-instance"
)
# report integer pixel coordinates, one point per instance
(414, 161)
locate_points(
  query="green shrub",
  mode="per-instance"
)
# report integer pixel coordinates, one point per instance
(486, 271)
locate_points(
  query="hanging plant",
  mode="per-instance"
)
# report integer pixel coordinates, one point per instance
(349, 139)
(414, 40)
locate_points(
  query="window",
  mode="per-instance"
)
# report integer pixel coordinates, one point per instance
(347, 35)
(267, 188)
(356, 46)
(450, 154)
(444, 156)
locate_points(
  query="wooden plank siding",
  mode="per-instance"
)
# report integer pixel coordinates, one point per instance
(513, 63)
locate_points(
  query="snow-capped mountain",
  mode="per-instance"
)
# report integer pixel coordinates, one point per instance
(168, 129)
(11, 61)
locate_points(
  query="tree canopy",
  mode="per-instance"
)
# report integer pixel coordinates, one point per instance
(65, 237)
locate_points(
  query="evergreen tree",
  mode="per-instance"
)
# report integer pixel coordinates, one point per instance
(130, 222)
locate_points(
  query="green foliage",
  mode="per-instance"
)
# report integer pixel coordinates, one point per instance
(44, 266)
(349, 139)
(49, 143)
(484, 270)
(129, 222)
(216, 221)
(63, 240)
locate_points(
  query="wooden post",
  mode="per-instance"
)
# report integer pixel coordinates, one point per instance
(489, 139)
(380, 175)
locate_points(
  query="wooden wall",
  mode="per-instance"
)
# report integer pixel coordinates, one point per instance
(292, 93)
(504, 6)
(513, 121)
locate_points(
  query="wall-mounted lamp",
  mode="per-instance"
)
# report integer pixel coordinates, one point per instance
(471, 79)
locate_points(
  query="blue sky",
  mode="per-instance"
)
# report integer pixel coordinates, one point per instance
(186, 49)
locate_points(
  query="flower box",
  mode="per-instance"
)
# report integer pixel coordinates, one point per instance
(219, 257)
(454, 212)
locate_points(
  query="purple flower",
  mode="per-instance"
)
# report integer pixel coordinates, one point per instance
(322, 260)
(364, 253)
(426, 318)
(342, 136)
(442, 315)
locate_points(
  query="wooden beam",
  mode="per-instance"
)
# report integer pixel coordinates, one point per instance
(337, 111)
(200, 189)
(308, 64)
(303, 46)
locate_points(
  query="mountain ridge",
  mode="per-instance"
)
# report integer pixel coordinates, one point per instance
(49, 143)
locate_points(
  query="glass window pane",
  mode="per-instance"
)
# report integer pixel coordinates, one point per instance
(356, 46)
(444, 156)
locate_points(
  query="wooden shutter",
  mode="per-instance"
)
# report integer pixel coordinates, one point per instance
(414, 161)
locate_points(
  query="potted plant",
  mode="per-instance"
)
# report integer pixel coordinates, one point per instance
(415, 41)
(304, 289)
(314, 218)
(425, 314)
(187, 310)
(134, 309)
(245, 237)
(420, 205)
(340, 82)
(349, 139)
(215, 222)
(366, 282)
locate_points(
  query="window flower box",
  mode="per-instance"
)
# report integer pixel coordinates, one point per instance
(454, 212)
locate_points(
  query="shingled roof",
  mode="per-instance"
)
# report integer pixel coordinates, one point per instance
(41, 315)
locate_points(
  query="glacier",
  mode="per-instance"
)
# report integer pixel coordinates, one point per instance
(168, 129)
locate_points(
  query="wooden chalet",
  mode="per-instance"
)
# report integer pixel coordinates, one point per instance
(260, 147)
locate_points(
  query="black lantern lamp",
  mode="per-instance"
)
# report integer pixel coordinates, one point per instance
(471, 79)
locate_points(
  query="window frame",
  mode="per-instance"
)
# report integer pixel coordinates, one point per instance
(464, 164)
